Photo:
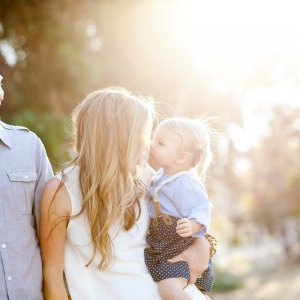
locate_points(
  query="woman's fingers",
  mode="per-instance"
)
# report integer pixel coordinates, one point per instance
(177, 258)
(197, 257)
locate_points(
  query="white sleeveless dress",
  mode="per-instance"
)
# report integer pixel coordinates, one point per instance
(128, 278)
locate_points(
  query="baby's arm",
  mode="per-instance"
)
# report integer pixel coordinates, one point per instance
(187, 227)
(193, 204)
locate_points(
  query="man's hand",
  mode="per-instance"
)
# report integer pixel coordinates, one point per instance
(197, 257)
(184, 227)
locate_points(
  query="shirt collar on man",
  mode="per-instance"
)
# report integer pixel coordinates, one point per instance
(4, 136)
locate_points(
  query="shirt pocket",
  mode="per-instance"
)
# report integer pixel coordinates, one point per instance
(23, 185)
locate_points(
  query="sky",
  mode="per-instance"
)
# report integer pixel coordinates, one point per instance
(237, 36)
(241, 35)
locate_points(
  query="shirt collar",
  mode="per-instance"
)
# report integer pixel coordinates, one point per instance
(4, 136)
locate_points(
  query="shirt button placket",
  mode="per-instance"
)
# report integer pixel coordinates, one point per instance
(8, 277)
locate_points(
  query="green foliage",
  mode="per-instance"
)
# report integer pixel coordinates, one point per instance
(52, 57)
(225, 281)
(50, 129)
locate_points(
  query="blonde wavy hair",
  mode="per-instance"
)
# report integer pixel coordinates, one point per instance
(195, 134)
(112, 130)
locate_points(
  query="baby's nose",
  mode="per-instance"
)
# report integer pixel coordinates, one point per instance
(151, 144)
(1, 94)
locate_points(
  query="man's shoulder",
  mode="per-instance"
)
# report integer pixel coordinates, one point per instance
(14, 127)
(17, 129)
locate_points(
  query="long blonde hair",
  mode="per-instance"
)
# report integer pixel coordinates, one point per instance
(195, 134)
(112, 130)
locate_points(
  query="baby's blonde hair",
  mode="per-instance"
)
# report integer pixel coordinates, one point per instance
(195, 134)
(112, 130)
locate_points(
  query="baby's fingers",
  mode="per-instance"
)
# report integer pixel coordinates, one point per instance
(182, 226)
(182, 221)
(184, 234)
(182, 230)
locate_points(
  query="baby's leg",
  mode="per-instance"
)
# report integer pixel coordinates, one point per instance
(172, 289)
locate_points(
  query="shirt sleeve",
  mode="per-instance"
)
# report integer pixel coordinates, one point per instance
(192, 201)
(44, 173)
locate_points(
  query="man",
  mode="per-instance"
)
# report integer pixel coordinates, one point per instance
(24, 170)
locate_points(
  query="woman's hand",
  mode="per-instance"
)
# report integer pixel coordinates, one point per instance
(197, 257)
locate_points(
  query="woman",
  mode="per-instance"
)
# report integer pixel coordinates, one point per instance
(94, 216)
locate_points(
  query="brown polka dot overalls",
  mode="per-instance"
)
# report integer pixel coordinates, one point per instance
(165, 243)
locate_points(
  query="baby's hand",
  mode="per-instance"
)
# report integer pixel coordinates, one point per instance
(184, 227)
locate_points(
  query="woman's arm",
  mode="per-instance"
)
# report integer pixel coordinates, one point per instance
(197, 257)
(55, 210)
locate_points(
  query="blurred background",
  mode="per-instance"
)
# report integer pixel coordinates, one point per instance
(238, 61)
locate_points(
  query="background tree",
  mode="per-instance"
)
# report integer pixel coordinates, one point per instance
(275, 181)
(54, 52)
(50, 65)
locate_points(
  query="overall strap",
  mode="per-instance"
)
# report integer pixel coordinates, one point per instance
(167, 219)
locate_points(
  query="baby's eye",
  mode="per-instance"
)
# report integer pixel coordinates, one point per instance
(160, 143)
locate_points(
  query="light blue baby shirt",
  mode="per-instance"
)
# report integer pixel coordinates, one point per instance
(183, 197)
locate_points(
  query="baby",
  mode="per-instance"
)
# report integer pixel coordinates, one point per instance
(179, 207)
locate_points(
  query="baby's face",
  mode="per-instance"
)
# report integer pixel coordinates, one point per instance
(165, 148)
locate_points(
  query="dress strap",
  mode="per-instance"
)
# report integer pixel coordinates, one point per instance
(167, 219)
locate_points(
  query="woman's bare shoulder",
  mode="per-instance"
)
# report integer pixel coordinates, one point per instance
(56, 197)
(52, 184)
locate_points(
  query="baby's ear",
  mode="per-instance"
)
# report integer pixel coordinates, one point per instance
(182, 158)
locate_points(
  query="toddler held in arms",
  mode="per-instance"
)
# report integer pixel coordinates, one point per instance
(179, 207)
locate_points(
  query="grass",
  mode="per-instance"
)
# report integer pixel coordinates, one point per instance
(225, 281)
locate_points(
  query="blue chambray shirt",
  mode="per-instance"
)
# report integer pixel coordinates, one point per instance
(24, 170)
(183, 197)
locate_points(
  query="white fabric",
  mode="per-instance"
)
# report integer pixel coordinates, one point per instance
(128, 278)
